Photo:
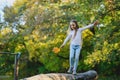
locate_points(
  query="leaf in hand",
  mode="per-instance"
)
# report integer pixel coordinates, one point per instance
(56, 50)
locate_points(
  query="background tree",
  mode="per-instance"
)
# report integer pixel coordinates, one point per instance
(35, 27)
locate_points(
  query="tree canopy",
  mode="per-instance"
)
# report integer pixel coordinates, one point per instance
(35, 27)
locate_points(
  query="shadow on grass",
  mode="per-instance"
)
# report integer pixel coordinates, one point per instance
(2, 77)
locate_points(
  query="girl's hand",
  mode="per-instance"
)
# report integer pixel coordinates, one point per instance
(96, 22)
(62, 46)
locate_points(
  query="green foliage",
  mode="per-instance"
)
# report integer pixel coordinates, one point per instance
(45, 27)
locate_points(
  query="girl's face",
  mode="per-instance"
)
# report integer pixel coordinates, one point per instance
(72, 25)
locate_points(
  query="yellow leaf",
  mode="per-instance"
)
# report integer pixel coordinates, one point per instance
(56, 50)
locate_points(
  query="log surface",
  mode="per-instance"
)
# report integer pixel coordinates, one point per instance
(88, 75)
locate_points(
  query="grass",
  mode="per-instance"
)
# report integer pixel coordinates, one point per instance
(113, 77)
(2, 77)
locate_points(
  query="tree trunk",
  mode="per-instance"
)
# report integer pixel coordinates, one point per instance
(89, 75)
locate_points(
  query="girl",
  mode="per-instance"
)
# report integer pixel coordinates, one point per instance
(75, 35)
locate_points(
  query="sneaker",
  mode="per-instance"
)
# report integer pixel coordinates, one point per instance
(74, 73)
(70, 70)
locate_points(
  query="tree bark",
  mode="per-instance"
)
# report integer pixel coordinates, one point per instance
(89, 75)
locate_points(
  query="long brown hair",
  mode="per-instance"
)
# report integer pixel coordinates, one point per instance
(76, 28)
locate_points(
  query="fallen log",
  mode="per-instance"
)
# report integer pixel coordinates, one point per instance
(88, 75)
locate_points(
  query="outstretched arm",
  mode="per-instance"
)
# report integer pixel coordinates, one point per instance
(90, 25)
(65, 41)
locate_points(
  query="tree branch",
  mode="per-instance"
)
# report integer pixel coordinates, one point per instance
(89, 75)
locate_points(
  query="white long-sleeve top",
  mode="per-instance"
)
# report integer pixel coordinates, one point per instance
(77, 40)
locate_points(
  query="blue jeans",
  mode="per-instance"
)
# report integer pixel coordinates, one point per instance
(74, 56)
